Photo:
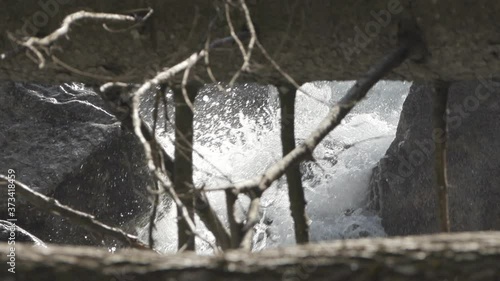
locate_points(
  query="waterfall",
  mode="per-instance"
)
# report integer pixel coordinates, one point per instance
(237, 137)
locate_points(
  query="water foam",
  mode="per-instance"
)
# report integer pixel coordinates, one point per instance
(238, 138)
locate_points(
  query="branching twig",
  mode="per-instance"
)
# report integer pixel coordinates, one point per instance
(283, 73)
(252, 220)
(79, 218)
(253, 34)
(87, 74)
(34, 44)
(247, 54)
(184, 82)
(232, 30)
(152, 218)
(159, 79)
(112, 93)
(140, 21)
(358, 91)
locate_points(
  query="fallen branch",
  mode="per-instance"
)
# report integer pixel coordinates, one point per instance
(34, 43)
(458, 256)
(79, 218)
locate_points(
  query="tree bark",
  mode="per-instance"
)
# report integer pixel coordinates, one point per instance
(311, 40)
(464, 256)
(183, 167)
(293, 175)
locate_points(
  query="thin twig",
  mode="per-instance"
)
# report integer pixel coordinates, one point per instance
(253, 38)
(11, 225)
(252, 220)
(357, 92)
(87, 74)
(232, 30)
(139, 21)
(253, 33)
(184, 90)
(111, 93)
(35, 44)
(287, 76)
(152, 218)
(77, 217)
(255, 187)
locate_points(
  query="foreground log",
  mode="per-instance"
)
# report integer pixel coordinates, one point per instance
(311, 40)
(464, 256)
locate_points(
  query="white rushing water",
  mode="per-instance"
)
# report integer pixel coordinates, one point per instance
(241, 141)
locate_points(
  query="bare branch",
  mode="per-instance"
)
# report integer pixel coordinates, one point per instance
(285, 75)
(115, 96)
(253, 33)
(357, 92)
(140, 21)
(8, 226)
(232, 30)
(79, 218)
(253, 38)
(87, 74)
(35, 44)
(211, 220)
(252, 219)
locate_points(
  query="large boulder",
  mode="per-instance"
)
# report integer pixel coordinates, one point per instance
(402, 185)
(62, 142)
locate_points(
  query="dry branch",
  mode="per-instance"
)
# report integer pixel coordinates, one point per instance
(79, 218)
(35, 44)
(255, 187)
(459, 256)
(119, 103)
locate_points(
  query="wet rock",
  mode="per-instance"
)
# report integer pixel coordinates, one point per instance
(402, 184)
(62, 143)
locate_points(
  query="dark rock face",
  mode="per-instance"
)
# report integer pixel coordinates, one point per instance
(61, 142)
(402, 184)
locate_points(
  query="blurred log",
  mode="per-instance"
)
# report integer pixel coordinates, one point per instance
(463, 256)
